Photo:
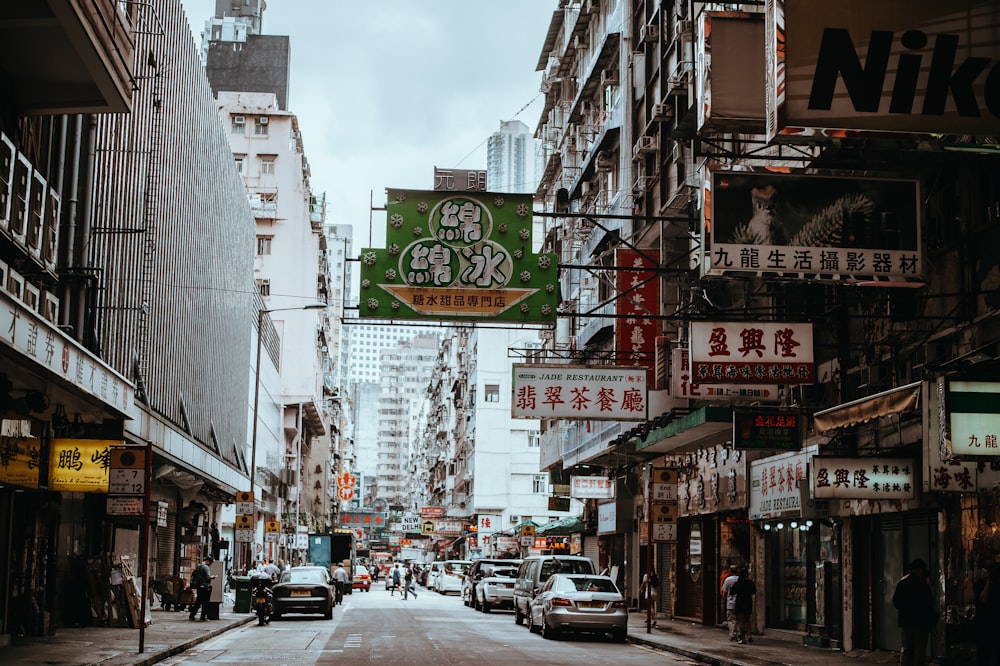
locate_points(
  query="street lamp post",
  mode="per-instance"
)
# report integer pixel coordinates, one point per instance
(256, 393)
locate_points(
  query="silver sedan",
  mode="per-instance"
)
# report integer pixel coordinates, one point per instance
(579, 602)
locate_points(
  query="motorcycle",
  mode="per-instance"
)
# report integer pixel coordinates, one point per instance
(263, 600)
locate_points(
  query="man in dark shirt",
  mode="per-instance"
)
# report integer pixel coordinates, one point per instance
(915, 602)
(201, 581)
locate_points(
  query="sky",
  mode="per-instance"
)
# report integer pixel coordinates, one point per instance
(385, 90)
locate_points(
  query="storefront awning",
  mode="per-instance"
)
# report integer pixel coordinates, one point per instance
(895, 401)
(703, 427)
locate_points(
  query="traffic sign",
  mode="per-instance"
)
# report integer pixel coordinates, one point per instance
(244, 502)
(664, 513)
(528, 531)
(244, 523)
(427, 527)
(127, 471)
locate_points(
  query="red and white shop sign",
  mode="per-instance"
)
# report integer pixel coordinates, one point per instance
(579, 392)
(863, 478)
(638, 286)
(752, 352)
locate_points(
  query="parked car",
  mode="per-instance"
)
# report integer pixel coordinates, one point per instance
(535, 571)
(495, 588)
(579, 602)
(450, 578)
(475, 574)
(362, 579)
(433, 571)
(304, 590)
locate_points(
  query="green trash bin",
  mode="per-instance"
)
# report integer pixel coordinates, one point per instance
(244, 590)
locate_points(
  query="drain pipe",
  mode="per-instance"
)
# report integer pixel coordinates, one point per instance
(87, 218)
(71, 213)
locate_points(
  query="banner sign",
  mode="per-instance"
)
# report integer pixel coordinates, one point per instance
(816, 227)
(19, 461)
(591, 487)
(579, 392)
(80, 465)
(460, 180)
(737, 352)
(682, 387)
(458, 257)
(488, 523)
(637, 281)
(917, 66)
(448, 527)
(759, 429)
(862, 478)
(352, 518)
(431, 511)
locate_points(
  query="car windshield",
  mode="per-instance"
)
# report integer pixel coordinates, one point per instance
(456, 567)
(360, 570)
(554, 566)
(502, 572)
(585, 584)
(310, 576)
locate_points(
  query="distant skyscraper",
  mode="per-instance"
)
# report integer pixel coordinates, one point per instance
(509, 158)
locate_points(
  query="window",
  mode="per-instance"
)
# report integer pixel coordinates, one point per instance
(267, 164)
(492, 393)
(240, 160)
(539, 483)
(260, 127)
(239, 124)
(263, 245)
(264, 286)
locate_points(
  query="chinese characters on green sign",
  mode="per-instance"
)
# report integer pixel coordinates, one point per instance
(458, 256)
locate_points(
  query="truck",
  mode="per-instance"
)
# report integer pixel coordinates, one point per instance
(329, 550)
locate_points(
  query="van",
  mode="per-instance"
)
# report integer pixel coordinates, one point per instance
(536, 570)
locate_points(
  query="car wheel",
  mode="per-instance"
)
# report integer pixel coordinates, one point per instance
(518, 618)
(532, 627)
(619, 634)
(328, 615)
(548, 631)
(486, 606)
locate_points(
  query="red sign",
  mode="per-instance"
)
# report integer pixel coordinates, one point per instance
(752, 352)
(638, 286)
(345, 493)
(431, 511)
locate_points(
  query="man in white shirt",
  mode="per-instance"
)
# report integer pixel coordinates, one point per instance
(727, 592)
(341, 579)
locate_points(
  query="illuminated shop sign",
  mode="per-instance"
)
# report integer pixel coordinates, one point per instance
(752, 352)
(971, 424)
(767, 429)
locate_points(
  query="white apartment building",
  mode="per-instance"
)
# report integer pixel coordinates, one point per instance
(510, 154)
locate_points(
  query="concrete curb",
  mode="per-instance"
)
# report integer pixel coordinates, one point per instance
(147, 658)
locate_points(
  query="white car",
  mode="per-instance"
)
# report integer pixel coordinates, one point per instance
(496, 588)
(451, 576)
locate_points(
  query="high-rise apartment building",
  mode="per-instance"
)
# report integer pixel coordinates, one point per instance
(510, 159)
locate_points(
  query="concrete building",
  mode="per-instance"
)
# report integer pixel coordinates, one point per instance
(510, 155)
(126, 278)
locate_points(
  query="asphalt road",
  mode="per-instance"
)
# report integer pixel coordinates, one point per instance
(376, 628)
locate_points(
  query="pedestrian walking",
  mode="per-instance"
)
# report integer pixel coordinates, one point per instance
(730, 597)
(915, 602)
(397, 577)
(986, 593)
(341, 580)
(201, 582)
(744, 591)
(408, 582)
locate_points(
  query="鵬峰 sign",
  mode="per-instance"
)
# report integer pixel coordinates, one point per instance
(579, 392)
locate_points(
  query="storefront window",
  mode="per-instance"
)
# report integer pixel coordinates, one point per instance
(794, 574)
(694, 552)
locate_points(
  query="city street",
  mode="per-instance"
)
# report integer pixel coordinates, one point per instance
(375, 627)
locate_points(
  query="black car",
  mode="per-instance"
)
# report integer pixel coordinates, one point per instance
(304, 590)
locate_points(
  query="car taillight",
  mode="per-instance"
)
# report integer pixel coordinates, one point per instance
(561, 601)
(618, 604)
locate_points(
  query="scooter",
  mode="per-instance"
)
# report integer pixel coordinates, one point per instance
(263, 600)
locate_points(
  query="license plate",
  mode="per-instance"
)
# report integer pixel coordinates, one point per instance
(590, 604)
(299, 593)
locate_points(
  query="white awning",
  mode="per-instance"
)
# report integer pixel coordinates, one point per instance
(894, 401)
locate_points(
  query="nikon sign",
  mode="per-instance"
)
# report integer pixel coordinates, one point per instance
(917, 66)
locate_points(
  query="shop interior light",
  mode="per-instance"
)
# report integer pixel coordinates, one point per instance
(793, 524)
(780, 526)
(767, 527)
(809, 523)
(803, 527)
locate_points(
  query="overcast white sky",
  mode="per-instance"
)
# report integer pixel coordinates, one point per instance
(385, 90)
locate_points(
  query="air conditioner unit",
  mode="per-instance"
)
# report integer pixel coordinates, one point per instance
(609, 77)
(515, 519)
(14, 284)
(32, 296)
(50, 230)
(662, 111)
(676, 152)
(8, 155)
(20, 198)
(645, 144)
(50, 306)
(262, 120)
(239, 120)
(677, 84)
(683, 28)
(650, 32)
(36, 214)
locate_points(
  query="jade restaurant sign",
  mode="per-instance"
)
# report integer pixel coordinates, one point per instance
(458, 256)
(579, 392)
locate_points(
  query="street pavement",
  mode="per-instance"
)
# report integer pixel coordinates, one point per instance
(171, 633)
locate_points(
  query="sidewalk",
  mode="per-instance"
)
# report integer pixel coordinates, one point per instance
(170, 633)
(711, 645)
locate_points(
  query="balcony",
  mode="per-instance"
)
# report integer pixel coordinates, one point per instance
(68, 56)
